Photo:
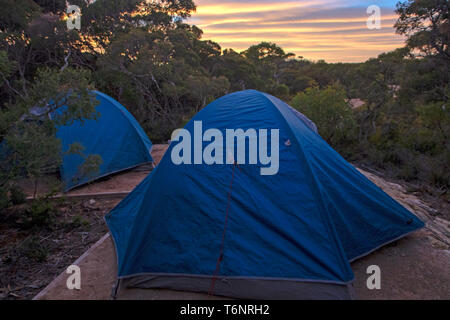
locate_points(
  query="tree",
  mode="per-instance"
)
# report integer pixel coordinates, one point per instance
(436, 116)
(267, 52)
(328, 109)
(375, 82)
(29, 147)
(241, 73)
(426, 23)
(269, 60)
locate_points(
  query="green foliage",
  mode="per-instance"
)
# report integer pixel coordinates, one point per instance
(241, 73)
(17, 14)
(144, 55)
(427, 25)
(266, 52)
(33, 249)
(328, 109)
(17, 196)
(27, 133)
(436, 117)
(6, 66)
(281, 91)
(41, 213)
(90, 165)
(4, 199)
(13, 195)
(77, 222)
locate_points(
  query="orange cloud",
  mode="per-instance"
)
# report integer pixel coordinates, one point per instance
(323, 29)
(224, 8)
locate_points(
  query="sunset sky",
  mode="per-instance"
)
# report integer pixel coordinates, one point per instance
(333, 30)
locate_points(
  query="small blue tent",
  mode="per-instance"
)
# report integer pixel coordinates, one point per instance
(115, 135)
(227, 230)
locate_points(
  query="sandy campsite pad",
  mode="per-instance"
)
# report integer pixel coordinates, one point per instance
(111, 186)
(122, 182)
(415, 267)
(411, 269)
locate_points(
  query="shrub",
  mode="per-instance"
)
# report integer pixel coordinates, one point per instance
(4, 199)
(328, 109)
(41, 213)
(17, 196)
(77, 222)
(33, 249)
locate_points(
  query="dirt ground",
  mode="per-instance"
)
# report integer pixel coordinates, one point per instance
(416, 267)
(32, 256)
(411, 269)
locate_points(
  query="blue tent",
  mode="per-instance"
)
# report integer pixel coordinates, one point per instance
(227, 230)
(115, 135)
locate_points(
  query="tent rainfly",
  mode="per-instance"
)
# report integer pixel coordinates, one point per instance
(227, 230)
(115, 135)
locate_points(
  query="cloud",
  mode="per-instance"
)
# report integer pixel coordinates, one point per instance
(333, 30)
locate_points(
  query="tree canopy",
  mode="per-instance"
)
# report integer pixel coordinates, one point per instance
(145, 55)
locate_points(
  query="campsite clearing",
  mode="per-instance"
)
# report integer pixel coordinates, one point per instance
(415, 267)
(411, 269)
